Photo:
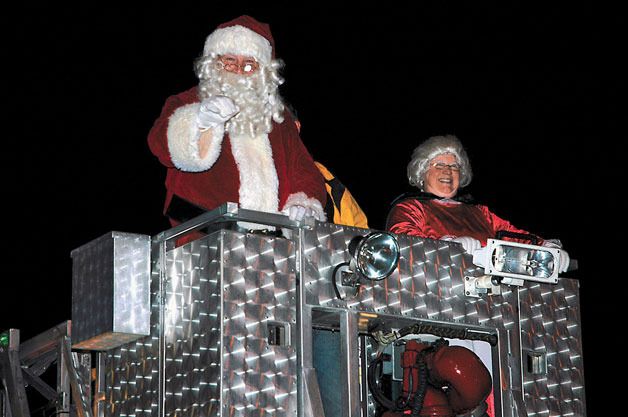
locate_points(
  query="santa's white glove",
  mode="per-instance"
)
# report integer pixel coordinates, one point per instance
(468, 243)
(215, 111)
(298, 213)
(563, 261)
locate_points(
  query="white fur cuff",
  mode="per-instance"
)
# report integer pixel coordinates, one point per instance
(183, 137)
(301, 199)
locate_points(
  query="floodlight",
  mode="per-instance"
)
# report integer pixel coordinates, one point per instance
(518, 260)
(374, 257)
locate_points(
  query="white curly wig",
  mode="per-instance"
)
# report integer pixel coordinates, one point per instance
(430, 149)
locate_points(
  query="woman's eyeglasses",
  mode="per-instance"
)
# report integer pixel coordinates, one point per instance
(441, 166)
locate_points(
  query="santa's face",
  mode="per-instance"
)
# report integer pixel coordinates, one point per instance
(240, 79)
(253, 87)
(443, 176)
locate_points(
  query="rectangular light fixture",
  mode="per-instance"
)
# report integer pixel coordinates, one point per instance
(519, 260)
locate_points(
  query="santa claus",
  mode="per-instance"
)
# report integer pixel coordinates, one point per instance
(229, 138)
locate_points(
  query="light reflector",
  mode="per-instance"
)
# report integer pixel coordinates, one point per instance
(376, 255)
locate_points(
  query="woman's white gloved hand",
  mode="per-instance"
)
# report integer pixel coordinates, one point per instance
(468, 243)
(563, 261)
(552, 243)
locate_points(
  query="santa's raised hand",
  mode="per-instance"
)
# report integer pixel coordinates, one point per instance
(215, 111)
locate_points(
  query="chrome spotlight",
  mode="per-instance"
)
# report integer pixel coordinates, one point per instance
(374, 257)
(519, 261)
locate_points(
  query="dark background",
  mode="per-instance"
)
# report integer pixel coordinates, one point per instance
(530, 91)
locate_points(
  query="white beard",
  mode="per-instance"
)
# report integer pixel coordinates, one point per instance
(247, 92)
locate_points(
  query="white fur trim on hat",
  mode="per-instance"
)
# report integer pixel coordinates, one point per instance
(301, 199)
(239, 40)
(183, 136)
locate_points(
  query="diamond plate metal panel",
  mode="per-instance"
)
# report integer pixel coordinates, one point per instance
(131, 288)
(132, 371)
(259, 286)
(192, 322)
(219, 293)
(226, 295)
(110, 291)
(428, 286)
(550, 330)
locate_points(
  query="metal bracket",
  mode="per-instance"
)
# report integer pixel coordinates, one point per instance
(481, 286)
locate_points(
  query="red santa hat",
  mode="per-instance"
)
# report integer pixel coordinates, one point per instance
(242, 36)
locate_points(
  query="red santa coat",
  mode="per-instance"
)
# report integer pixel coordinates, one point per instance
(231, 172)
(437, 218)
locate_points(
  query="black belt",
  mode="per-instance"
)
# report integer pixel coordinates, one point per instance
(182, 210)
(261, 232)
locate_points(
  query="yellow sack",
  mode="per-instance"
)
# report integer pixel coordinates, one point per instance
(341, 207)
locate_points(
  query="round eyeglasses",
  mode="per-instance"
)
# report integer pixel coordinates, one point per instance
(238, 65)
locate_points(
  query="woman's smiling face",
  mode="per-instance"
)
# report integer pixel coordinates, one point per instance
(443, 176)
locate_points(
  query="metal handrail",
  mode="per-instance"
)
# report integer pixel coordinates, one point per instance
(230, 212)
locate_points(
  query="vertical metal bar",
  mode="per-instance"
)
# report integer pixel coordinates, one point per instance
(63, 381)
(303, 332)
(161, 265)
(301, 384)
(312, 402)
(99, 386)
(510, 349)
(4, 409)
(364, 388)
(349, 375)
(221, 291)
(305, 337)
(515, 357)
(309, 402)
(498, 373)
(84, 371)
(75, 383)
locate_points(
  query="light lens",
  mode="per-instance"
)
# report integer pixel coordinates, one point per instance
(377, 255)
(531, 262)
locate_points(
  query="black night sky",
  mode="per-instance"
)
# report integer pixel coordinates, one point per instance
(530, 91)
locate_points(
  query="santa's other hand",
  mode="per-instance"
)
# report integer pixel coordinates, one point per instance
(297, 213)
